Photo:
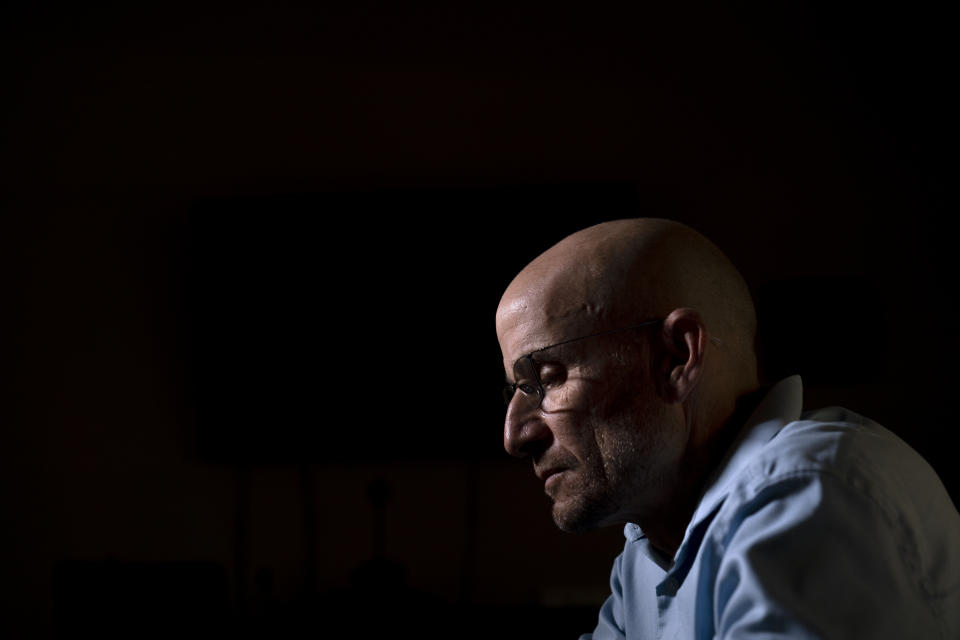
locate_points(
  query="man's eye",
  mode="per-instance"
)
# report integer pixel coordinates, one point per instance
(527, 388)
(552, 375)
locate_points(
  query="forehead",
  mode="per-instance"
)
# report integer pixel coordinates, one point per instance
(564, 293)
(529, 320)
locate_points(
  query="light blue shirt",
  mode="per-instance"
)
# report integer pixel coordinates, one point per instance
(816, 525)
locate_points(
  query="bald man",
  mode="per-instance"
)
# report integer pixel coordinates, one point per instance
(633, 387)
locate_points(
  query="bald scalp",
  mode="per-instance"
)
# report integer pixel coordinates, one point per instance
(622, 272)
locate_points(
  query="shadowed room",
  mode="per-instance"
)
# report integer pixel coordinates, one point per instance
(254, 252)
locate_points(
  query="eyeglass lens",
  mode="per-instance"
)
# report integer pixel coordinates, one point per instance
(527, 384)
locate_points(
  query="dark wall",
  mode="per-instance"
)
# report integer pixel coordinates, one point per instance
(255, 249)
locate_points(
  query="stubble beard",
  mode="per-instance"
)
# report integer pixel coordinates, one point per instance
(583, 508)
(596, 493)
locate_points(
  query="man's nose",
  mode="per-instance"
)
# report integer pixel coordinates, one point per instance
(524, 430)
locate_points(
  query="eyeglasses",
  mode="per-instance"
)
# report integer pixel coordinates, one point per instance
(528, 379)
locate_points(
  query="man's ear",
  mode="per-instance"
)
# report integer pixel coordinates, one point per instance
(684, 340)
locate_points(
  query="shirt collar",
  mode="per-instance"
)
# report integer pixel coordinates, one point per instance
(781, 405)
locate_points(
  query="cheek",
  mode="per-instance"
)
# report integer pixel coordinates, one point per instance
(573, 433)
(596, 422)
(625, 392)
(567, 398)
(634, 433)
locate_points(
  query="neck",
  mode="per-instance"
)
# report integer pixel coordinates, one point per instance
(667, 531)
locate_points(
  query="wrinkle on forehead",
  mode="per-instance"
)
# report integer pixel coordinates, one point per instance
(546, 308)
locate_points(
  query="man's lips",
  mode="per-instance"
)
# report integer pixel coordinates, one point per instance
(550, 472)
(545, 474)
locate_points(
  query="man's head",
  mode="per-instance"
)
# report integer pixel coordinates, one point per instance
(623, 428)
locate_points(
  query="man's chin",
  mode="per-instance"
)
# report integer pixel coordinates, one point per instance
(575, 518)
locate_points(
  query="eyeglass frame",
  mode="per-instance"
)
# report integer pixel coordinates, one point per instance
(510, 389)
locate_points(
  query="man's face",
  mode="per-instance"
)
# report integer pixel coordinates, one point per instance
(604, 443)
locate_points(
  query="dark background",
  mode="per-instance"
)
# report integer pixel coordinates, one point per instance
(254, 251)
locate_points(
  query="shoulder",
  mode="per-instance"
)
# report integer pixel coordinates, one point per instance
(847, 449)
(838, 487)
(834, 454)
